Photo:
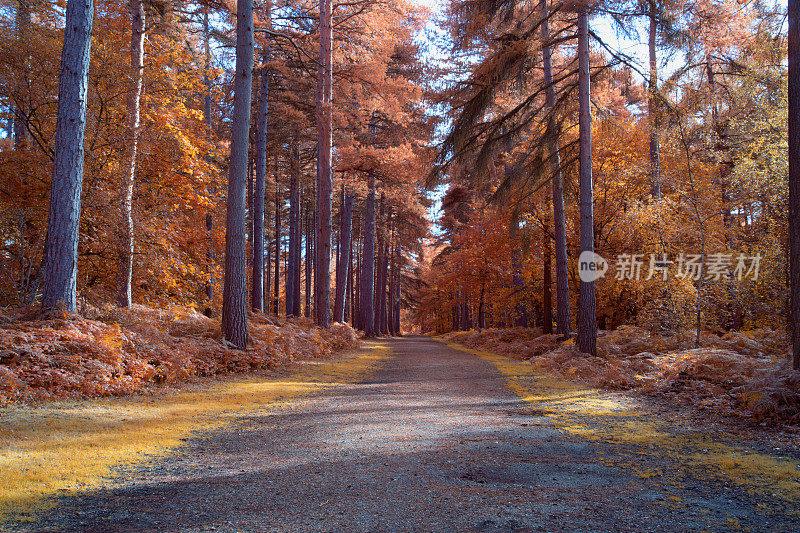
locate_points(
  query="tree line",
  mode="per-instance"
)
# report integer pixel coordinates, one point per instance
(561, 145)
(157, 101)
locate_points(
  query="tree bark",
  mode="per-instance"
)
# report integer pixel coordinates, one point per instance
(380, 274)
(559, 219)
(207, 117)
(20, 119)
(652, 104)
(234, 297)
(547, 303)
(348, 304)
(309, 259)
(295, 236)
(322, 274)
(61, 244)
(367, 283)
(398, 290)
(276, 303)
(343, 264)
(587, 316)
(125, 232)
(794, 175)
(260, 185)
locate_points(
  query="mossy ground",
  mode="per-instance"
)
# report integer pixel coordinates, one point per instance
(659, 447)
(68, 447)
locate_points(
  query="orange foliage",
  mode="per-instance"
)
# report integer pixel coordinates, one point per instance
(743, 374)
(115, 351)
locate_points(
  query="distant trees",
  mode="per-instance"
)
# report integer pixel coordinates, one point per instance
(635, 149)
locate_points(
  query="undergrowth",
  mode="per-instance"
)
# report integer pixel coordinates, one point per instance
(113, 351)
(739, 373)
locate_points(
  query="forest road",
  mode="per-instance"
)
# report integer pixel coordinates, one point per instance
(434, 441)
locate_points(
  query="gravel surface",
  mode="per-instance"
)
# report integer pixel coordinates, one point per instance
(435, 441)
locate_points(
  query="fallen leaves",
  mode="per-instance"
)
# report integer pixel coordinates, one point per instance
(116, 351)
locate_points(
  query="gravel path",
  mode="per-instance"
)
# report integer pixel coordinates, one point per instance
(435, 441)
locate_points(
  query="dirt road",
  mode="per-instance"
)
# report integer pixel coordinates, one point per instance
(434, 441)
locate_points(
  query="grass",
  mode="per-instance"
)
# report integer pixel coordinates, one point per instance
(66, 447)
(611, 418)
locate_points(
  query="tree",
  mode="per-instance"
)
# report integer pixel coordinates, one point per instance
(293, 271)
(345, 256)
(322, 264)
(554, 156)
(794, 176)
(587, 313)
(234, 298)
(366, 308)
(61, 244)
(125, 237)
(259, 188)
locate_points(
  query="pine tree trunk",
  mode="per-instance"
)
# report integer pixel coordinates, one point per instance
(652, 104)
(547, 281)
(398, 291)
(559, 219)
(61, 244)
(359, 255)
(343, 264)
(260, 188)
(520, 309)
(20, 120)
(482, 308)
(367, 283)
(234, 297)
(249, 218)
(794, 175)
(380, 290)
(125, 232)
(276, 303)
(322, 277)
(207, 118)
(309, 260)
(348, 304)
(295, 236)
(587, 315)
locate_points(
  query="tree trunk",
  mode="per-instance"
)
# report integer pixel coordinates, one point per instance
(520, 309)
(260, 186)
(343, 264)
(276, 304)
(559, 219)
(322, 276)
(367, 283)
(355, 316)
(587, 316)
(348, 304)
(125, 232)
(207, 117)
(295, 235)
(398, 290)
(309, 259)
(380, 274)
(794, 175)
(234, 298)
(652, 104)
(61, 244)
(20, 119)
(547, 303)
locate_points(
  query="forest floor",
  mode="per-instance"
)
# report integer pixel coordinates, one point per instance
(431, 437)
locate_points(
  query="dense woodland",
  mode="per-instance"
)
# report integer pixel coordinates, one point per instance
(282, 159)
